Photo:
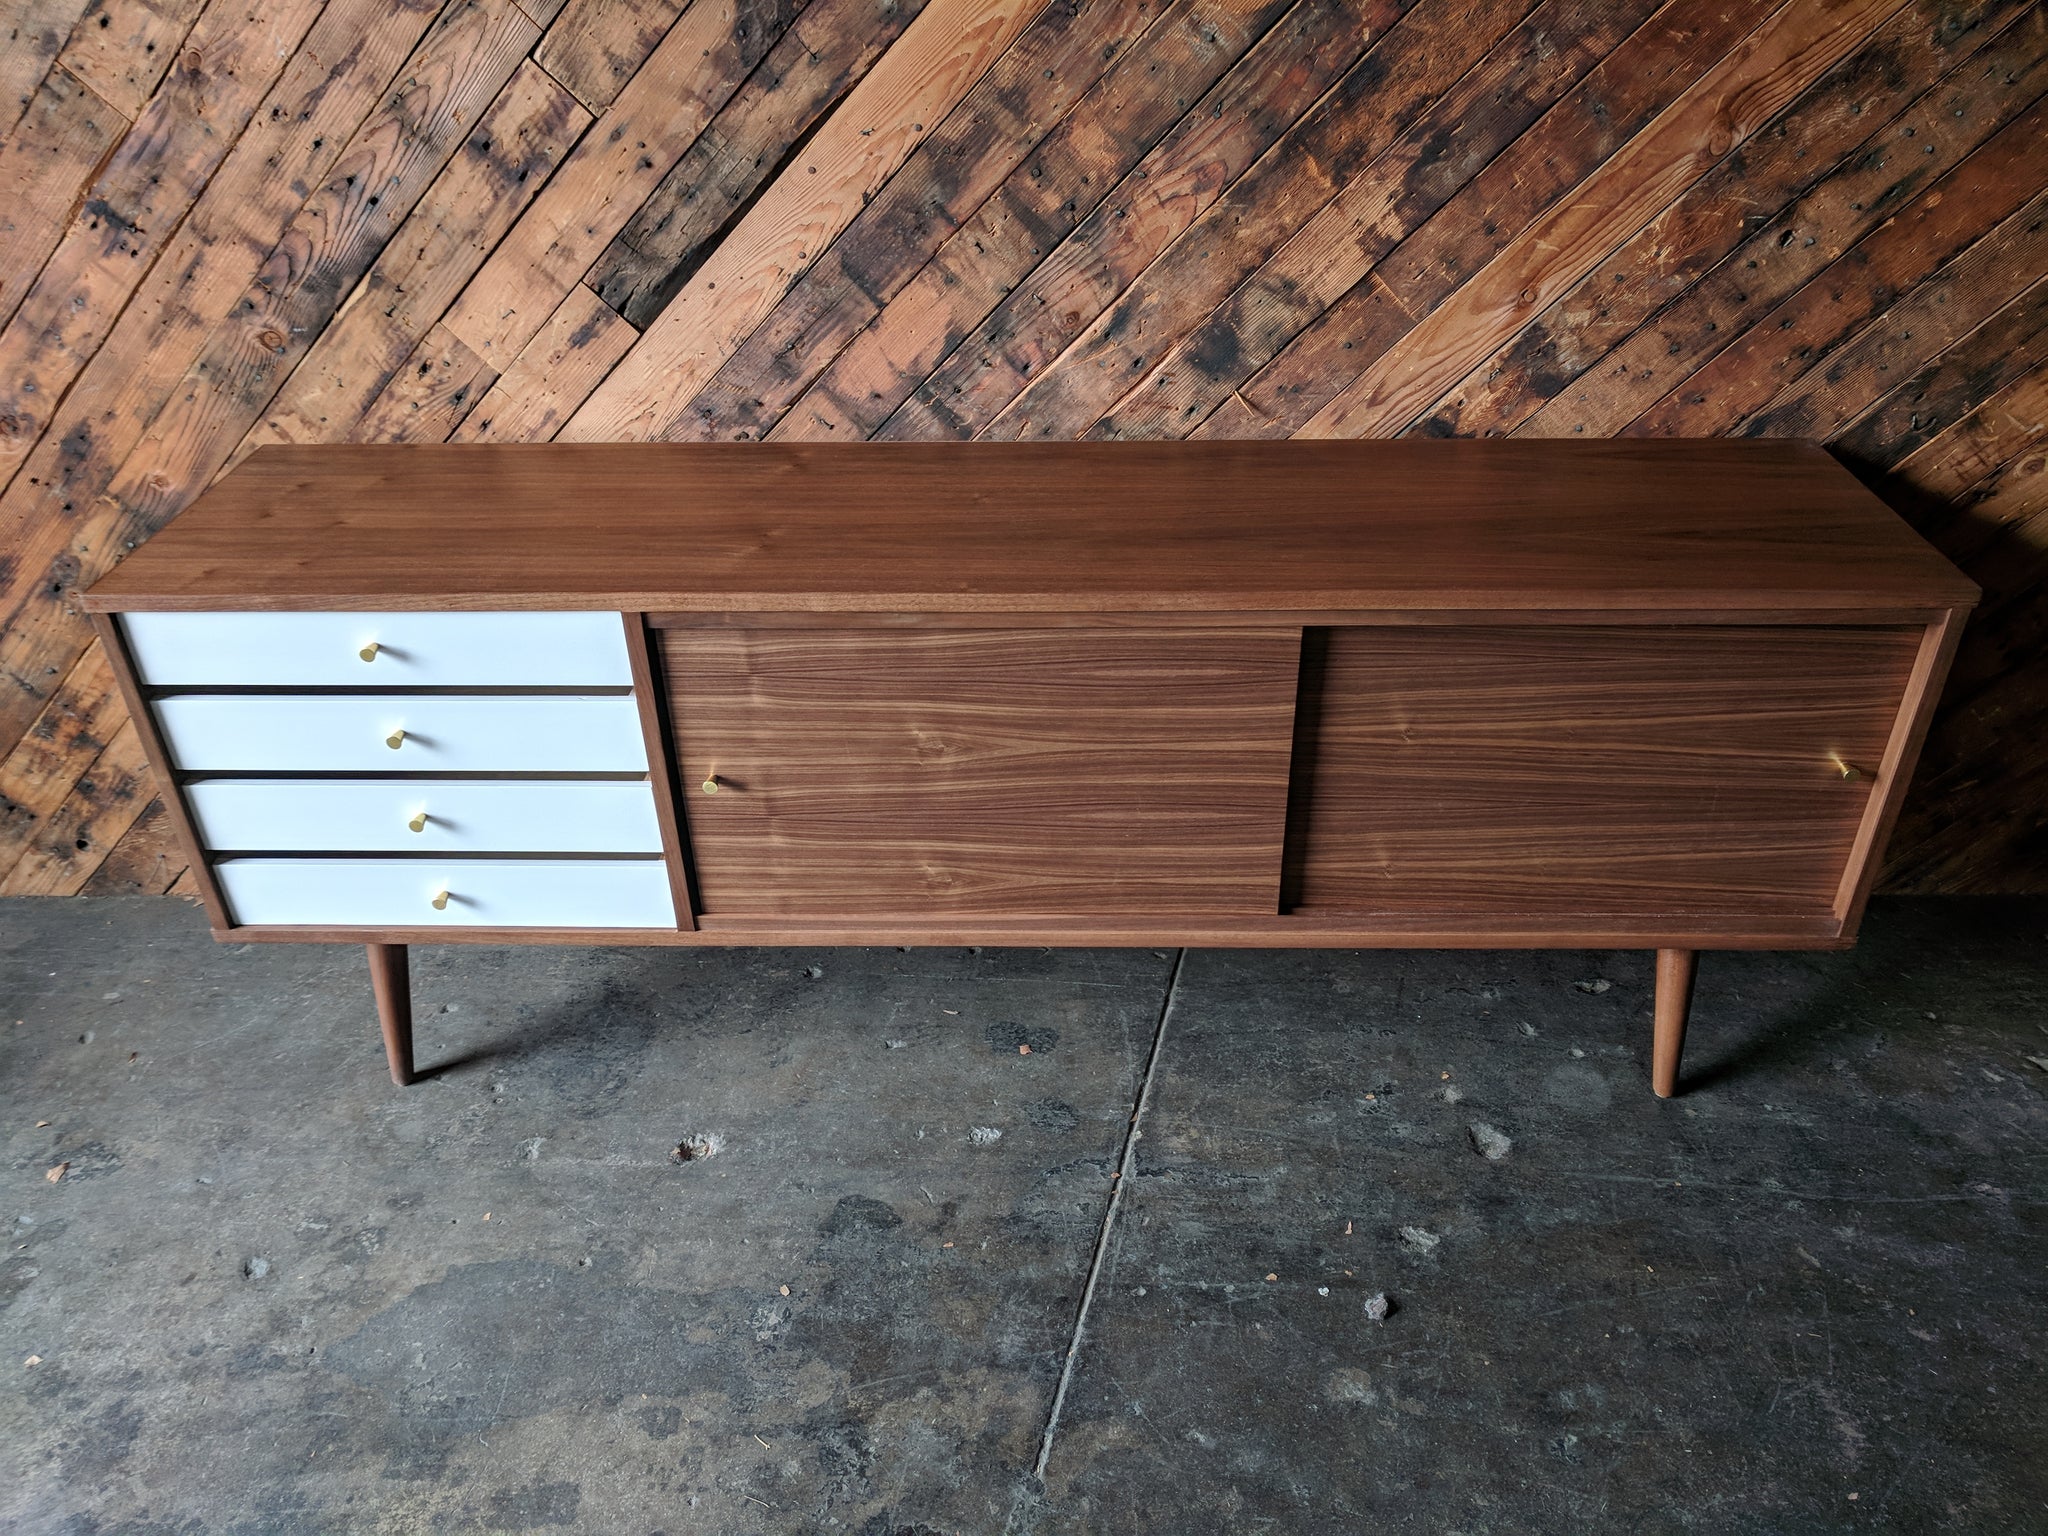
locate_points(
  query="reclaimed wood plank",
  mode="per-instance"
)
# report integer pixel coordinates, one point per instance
(2001, 531)
(102, 805)
(1934, 355)
(541, 13)
(830, 47)
(146, 861)
(72, 729)
(324, 92)
(426, 399)
(1878, 181)
(888, 331)
(32, 33)
(206, 352)
(1833, 305)
(582, 341)
(1732, 101)
(1281, 77)
(123, 48)
(48, 164)
(329, 245)
(501, 165)
(611, 171)
(935, 62)
(1951, 465)
(136, 206)
(977, 148)
(1230, 293)
(593, 47)
(1286, 374)
(1811, 162)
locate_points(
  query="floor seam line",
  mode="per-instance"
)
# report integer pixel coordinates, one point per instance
(1116, 1194)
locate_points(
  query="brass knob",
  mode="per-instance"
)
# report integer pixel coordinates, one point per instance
(396, 739)
(369, 652)
(440, 901)
(711, 784)
(419, 822)
(1846, 769)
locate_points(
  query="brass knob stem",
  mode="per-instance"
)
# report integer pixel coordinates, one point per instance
(1846, 769)
(396, 739)
(419, 822)
(369, 652)
(711, 784)
(440, 901)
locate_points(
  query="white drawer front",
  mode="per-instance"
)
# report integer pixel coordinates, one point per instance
(438, 650)
(482, 893)
(443, 733)
(375, 815)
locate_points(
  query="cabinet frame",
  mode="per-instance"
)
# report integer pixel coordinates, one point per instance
(1940, 633)
(1217, 536)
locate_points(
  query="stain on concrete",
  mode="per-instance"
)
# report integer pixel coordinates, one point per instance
(856, 1214)
(1052, 1115)
(438, 1355)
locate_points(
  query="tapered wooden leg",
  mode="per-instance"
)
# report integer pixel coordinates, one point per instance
(393, 985)
(1675, 968)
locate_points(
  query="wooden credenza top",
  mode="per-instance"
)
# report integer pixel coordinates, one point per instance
(1204, 527)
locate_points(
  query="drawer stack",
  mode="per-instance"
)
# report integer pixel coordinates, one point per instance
(411, 770)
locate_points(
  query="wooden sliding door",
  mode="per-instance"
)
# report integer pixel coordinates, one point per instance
(1628, 771)
(922, 772)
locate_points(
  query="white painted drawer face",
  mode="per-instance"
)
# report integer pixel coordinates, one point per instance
(413, 650)
(442, 733)
(482, 893)
(377, 815)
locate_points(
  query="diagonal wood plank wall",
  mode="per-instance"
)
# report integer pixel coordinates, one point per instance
(231, 222)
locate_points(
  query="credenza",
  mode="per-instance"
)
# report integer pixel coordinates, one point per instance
(1653, 694)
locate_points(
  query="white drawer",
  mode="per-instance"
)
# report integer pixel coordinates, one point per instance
(482, 893)
(443, 733)
(374, 815)
(324, 650)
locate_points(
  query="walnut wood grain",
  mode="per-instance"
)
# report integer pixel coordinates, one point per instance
(661, 768)
(1410, 524)
(1641, 771)
(391, 983)
(984, 772)
(1676, 969)
(1937, 650)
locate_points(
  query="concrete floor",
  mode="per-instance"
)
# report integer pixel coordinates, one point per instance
(272, 1293)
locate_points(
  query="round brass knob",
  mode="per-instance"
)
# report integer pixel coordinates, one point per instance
(1846, 769)
(419, 822)
(369, 652)
(396, 739)
(711, 784)
(440, 901)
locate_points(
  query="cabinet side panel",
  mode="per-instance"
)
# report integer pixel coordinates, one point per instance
(1613, 771)
(867, 772)
(1937, 650)
(115, 640)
